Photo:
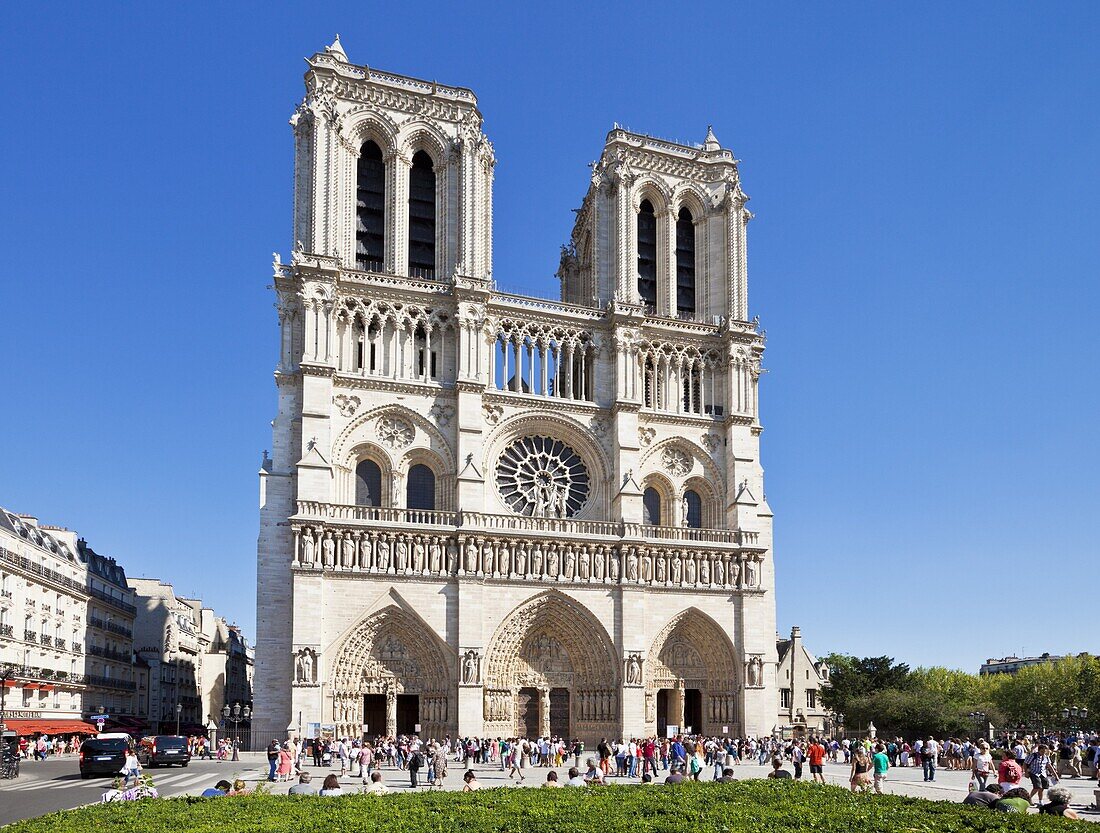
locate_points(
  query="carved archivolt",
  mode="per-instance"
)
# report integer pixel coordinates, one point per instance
(391, 650)
(551, 640)
(358, 432)
(692, 648)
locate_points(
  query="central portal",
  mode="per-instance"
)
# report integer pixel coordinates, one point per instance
(693, 710)
(559, 712)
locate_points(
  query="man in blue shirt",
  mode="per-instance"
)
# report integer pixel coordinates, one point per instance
(218, 790)
(677, 751)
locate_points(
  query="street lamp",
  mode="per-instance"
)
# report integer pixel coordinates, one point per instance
(840, 725)
(1073, 717)
(980, 721)
(179, 710)
(236, 716)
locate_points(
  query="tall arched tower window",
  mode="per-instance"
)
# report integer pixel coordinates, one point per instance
(647, 254)
(420, 488)
(651, 503)
(370, 209)
(685, 264)
(368, 484)
(694, 505)
(422, 217)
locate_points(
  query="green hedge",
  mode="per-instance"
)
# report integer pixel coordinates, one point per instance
(742, 807)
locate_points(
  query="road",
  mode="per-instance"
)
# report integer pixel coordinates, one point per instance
(56, 785)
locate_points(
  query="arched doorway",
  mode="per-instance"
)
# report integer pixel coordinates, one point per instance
(551, 670)
(691, 678)
(391, 674)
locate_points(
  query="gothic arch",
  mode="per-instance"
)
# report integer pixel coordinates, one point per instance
(711, 506)
(354, 434)
(694, 653)
(579, 437)
(690, 196)
(700, 461)
(373, 125)
(420, 135)
(552, 642)
(392, 652)
(444, 482)
(656, 191)
(377, 454)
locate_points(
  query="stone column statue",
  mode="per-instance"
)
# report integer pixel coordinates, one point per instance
(570, 562)
(435, 557)
(585, 566)
(419, 553)
(689, 569)
(328, 549)
(307, 547)
(347, 556)
(471, 556)
(383, 554)
(452, 557)
(544, 712)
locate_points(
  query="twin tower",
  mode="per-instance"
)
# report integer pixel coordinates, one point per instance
(494, 515)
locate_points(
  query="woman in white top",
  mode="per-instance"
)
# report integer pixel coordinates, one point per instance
(130, 769)
(983, 764)
(331, 785)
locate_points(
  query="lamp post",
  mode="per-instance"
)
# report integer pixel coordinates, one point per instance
(1074, 716)
(237, 715)
(5, 675)
(179, 710)
(840, 725)
(980, 722)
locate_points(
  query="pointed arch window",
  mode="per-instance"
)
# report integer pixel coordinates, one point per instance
(420, 488)
(368, 484)
(651, 506)
(647, 254)
(370, 209)
(685, 264)
(422, 217)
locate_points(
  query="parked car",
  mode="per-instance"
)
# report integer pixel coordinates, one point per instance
(103, 756)
(163, 749)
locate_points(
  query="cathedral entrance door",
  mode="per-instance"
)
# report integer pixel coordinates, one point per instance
(527, 712)
(663, 710)
(693, 709)
(374, 713)
(559, 712)
(408, 713)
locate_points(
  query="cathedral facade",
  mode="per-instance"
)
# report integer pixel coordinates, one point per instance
(489, 514)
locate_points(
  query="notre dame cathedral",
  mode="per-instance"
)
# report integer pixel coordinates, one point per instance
(489, 514)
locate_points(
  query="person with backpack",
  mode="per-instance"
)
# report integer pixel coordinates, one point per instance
(416, 761)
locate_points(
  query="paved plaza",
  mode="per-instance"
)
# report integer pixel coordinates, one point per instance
(54, 785)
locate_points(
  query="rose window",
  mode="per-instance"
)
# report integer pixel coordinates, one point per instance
(543, 478)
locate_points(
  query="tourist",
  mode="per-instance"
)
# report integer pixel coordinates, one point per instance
(880, 762)
(816, 756)
(439, 765)
(675, 776)
(366, 762)
(131, 768)
(219, 790)
(860, 775)
(1059, 804)
(594, 775)
(551, 779)
(515, 759)
(376, 787)
(777, 769)
(284, 764)
(727, 775)
(1040, 770)
(469, 782)
(273, 758)
(578, 750)
(984, 798)
(1009, 774)
(331, 785)
(983, 765)
(303, 787)
(416, 761)
(797, 757)
(239, 787)
(1013, 801)
(929, 754)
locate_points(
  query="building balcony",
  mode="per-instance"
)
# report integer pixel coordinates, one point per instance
(30, 636)
(46, 640)
(6, 630)
(111, 600)
(402, 542)
(33, 673)
(44, 574)
(110, 627)
(109, 682)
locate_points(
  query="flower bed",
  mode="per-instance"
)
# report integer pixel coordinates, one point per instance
(742, 807)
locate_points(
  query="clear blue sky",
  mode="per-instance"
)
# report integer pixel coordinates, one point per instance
(924, 258)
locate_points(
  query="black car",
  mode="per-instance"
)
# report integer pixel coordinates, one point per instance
(103, 756)
(163, 749)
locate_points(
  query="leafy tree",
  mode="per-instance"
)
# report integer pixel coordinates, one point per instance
(851, 678)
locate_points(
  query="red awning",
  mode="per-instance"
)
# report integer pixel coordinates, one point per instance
(50, 727)
(10, 683)
(45, 687)
(30, 686)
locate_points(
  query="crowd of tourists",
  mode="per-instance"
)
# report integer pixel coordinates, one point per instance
(998, 771)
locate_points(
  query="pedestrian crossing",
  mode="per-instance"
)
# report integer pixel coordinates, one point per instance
(167, 782)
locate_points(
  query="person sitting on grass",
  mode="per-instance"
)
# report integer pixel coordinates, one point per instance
(777, 769)
(470, 782)
(984, 798)
(376, 787)
(675, 776)
(594, 775)
(551, 779)
(239, 788)
(219, 790)
(727, 775)
(1014, 801)
(331, 786)
(575, 778)
(1059, 803)
(303, 787)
